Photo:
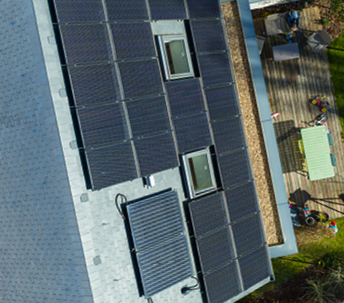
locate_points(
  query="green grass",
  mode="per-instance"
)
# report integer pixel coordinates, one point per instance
(284, 268)
(335, 52)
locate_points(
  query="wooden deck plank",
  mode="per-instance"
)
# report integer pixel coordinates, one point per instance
(290, 85)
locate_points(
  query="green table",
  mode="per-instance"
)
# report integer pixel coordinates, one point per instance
(317, 152)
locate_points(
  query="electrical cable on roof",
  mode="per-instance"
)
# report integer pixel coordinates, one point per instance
(150, 300)
(117, 206)
(186, 289)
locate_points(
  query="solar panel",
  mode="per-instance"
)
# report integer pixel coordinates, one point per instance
(204, 9)
(111, 165)
(164, 265)
(192, 132)
(222, 102)
(148, 116)
(228, 134)
(86, 43)
(255, 267)
(215, 69)
(79, 11)
(223, 283)
(161, 247)
(126, 10)
(155, 219)
(235, 168)
(102, 124)
(161, 10)
(208, 35)
(215, 249)
(133, 40)
(141, 78)
(156, 153)
(208, 213)
(94, 84)
(248, 234)
(242, 201)
(185, 97)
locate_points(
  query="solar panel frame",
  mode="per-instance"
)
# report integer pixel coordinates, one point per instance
(215, 68)
(255, 267)
(185, 97)
(215, 249)
(164, 265)
(111, 165)
(79, 11)
(208, 213)
(148, 116)
(167, 10)
(155, 219)
(141, 78)
(156, 153)
(94, 84)
(192, 132)
(208, 35)
(247, 196)
(85, 43)
(228, 134)
(235, 168)
(133, 40)
(132, 10)
(223, 283)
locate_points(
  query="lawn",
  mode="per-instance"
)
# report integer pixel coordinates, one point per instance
(335, 52)
(310, 252)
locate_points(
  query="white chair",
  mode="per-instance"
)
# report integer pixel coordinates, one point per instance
(319, 40)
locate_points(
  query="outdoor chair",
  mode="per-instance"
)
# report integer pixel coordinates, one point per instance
(330, 140)
(319, 40)
(276, 24)
(260, 42)
(333, 160)
(298, 147)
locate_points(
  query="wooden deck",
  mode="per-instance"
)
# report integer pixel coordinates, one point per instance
(290, 85)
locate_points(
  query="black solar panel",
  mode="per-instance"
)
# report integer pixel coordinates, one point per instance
(215, 69)
(141, 78)
(208, 35)
(222, 102)
(208, 213)
(126, 10)
(148, 116)
(241, 201)
(235, 168)
(164, 265)
(155, 219)
(228, 134)
(79, 11)
(192, 132)
(223, 283)
(167, 9)
(156, 153)
(185, 97)
(103, 124)
(248, 234)
(133, 40)
(94, 84)
(111, 165)
(215, 249)
(204, 9)
(255, 267)
(86, 43)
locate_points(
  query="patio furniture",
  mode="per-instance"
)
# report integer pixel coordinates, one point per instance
(330, 140)
(298, 146)
(276, 24)
(260, 42)
(317, 153)
(319, 40)
(286, 52)
(333, 160)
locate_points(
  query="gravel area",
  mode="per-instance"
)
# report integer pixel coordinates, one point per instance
(251, 120)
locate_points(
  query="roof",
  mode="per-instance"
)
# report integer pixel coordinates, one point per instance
(83, 233)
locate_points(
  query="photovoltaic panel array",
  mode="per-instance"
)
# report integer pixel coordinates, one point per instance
(132, 10)
(167, 10)
(160, 244)
(225, 246)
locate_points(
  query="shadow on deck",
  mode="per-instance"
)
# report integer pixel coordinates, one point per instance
(290, 85)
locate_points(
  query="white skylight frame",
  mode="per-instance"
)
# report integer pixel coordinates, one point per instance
(192, 192)
(163, 40)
